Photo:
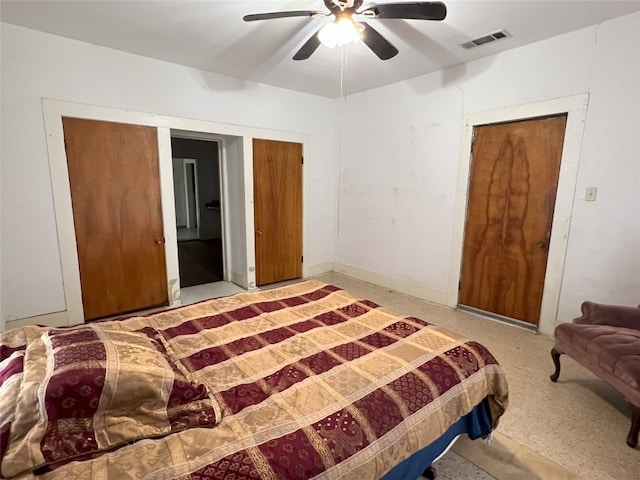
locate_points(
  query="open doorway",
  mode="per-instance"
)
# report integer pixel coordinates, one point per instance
(196, 183)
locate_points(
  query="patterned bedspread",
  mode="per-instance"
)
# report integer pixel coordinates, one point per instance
(304, 381)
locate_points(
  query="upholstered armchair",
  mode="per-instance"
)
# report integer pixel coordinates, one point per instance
(606, 340)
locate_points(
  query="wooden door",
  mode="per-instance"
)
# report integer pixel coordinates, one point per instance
(115, 194)
(512, 192)
(277, 184)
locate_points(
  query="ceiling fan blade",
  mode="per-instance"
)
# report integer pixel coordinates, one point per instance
(310, 46)
(377, 43)
(293, 13)
(411, 11)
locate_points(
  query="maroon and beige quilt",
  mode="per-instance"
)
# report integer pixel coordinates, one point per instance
(304, 381)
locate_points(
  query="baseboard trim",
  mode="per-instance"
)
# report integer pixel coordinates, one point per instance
(320, 269)
(407, 288)
(59, 319)
(56, 319)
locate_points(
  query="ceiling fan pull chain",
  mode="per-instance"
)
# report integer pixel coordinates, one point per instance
(343, 65)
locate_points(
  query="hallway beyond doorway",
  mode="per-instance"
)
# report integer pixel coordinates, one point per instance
(200, 261)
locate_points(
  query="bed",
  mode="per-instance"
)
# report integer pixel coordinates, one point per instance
(298, 382)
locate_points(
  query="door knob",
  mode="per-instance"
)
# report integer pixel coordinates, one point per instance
(541, 244)
(159, 241)
(258, 232)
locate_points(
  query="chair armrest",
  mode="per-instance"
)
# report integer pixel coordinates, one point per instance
(614, 315)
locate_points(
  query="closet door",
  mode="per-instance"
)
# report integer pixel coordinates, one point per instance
(277, 180)
(115, 195)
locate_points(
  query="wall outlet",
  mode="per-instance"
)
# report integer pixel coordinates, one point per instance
(591, 194)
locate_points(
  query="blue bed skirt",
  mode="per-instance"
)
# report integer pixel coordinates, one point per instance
(476, 424)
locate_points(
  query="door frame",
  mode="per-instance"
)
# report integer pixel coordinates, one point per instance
(196, 192)
(576, 109)
(224, 158)
(243, 272)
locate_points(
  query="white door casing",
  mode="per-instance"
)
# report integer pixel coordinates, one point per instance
(576, 109)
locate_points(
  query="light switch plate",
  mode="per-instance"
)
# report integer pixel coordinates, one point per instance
(591, 194)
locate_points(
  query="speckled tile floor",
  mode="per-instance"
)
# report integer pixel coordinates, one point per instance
(572, 429)
(454, 467)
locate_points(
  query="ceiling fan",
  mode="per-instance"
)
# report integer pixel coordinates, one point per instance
(345, 28)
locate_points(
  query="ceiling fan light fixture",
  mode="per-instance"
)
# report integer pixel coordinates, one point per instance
(344, 30)
(339, 33)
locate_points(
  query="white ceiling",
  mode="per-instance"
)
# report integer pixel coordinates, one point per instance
(211, 35)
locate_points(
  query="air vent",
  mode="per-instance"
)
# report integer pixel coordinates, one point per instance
(492, 37)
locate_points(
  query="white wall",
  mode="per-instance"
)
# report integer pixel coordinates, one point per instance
(398, 167)
(603, 261)
(400, 163)
(37, 65)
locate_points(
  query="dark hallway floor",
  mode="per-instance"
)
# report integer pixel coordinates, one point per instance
(200, 262)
